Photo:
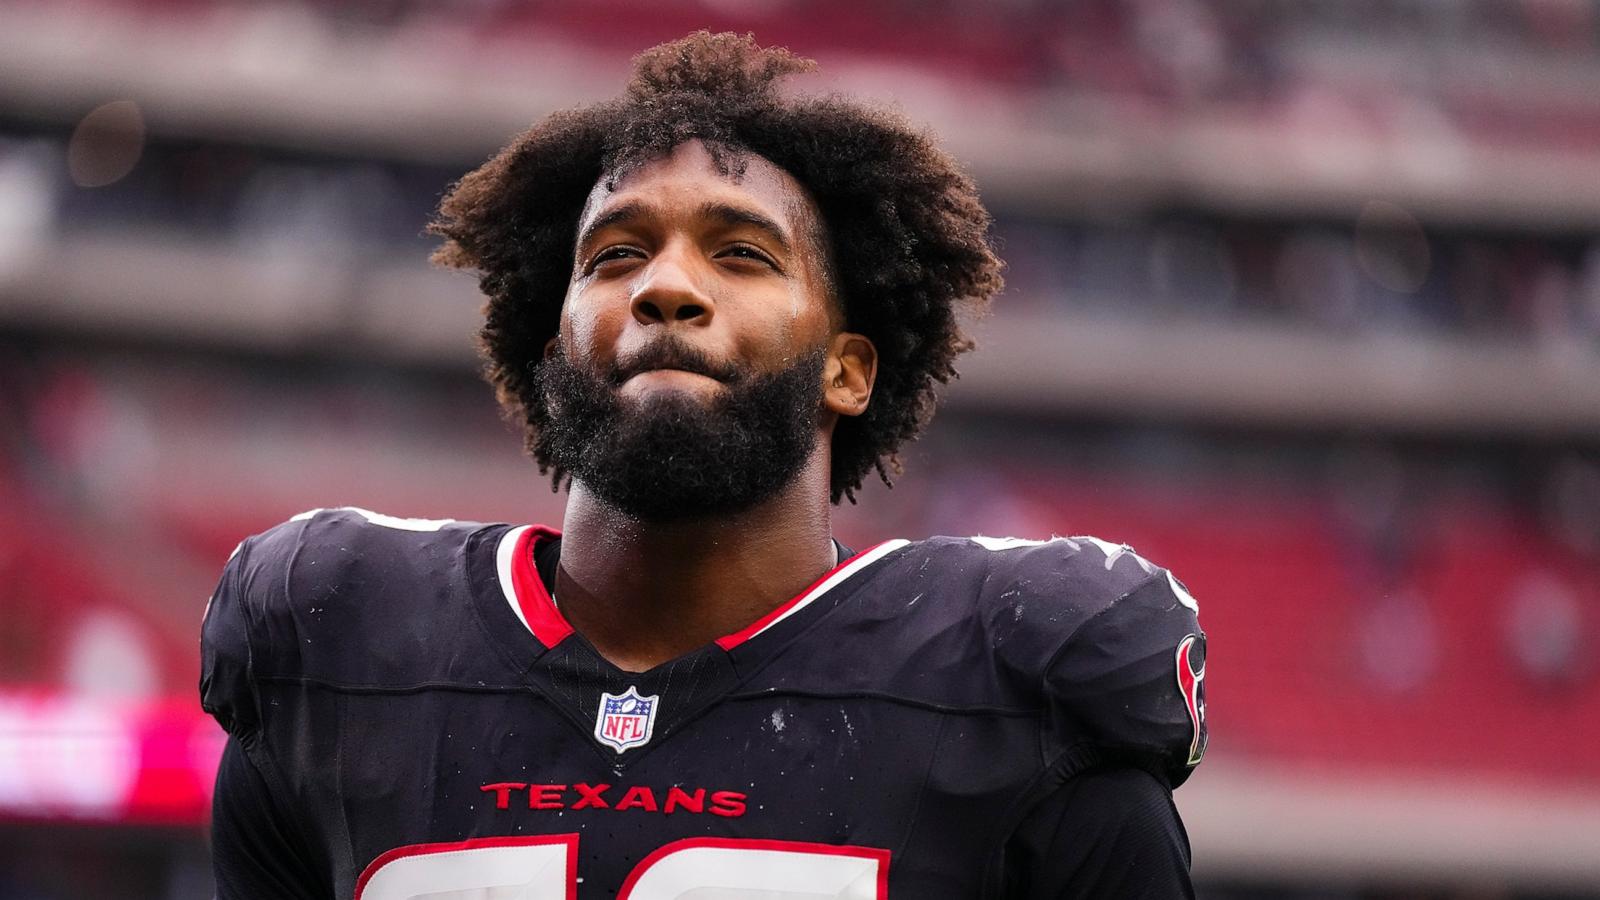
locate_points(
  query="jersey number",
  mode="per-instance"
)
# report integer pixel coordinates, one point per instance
(546, 868)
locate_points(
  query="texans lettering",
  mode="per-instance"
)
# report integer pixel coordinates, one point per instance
(593, 796)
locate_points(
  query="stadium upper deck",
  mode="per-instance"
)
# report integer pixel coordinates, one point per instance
(1321, 209)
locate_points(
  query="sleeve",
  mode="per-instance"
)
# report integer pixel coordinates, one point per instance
(226, 693)
(254, 581)
(1127, 687)
(1108, 832)
(255, 849)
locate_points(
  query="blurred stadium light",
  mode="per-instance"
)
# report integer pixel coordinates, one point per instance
(1305, 303)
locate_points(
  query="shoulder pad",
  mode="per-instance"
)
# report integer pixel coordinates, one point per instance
(255, 578)
(1035, 594)
(1116, 641)
(340, 595)
(1131, 680)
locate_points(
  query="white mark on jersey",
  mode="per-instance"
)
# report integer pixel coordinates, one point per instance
(1012, 543)
(378, 518)
(1183, 596)
(1005, 543)
(1114, 551)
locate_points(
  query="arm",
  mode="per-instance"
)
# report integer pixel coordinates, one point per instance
(1108, 832)
(256, 851)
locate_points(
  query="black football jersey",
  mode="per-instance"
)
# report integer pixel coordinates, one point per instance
(423, 722)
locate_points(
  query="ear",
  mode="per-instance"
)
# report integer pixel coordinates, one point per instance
(848, 374)
(552, 346)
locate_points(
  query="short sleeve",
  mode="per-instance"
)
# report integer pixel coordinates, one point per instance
(1129, 681)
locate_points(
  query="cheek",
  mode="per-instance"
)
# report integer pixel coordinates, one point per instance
(788, 328)
(588, 327)
(809, 319)
(798, 296)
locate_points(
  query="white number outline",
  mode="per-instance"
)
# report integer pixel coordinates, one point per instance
(569, 842)
(664, 852)
(472, 845)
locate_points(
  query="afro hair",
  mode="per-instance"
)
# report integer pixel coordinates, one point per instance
(908, 239)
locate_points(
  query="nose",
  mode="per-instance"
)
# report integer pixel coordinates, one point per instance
(669, 291)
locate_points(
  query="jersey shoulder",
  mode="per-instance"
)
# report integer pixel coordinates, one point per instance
(1105, 642)
(1023, 598)
(344, 596)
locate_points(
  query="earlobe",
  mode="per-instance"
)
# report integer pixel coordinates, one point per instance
(851, 370)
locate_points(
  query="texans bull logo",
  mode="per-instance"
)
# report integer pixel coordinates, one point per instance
(1192, 682)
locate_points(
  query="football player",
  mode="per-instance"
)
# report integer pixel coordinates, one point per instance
(716, 308)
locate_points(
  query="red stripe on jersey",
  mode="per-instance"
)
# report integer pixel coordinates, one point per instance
(730, 641)
(548, 625)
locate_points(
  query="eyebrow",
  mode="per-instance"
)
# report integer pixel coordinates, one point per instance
(733, 215)
(725, 213)
(624, 213)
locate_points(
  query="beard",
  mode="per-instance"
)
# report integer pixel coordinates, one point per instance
(676, 456)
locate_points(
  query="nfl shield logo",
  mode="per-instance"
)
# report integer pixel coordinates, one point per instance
(626, 719)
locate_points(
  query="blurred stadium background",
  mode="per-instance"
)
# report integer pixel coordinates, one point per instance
(1304, 304)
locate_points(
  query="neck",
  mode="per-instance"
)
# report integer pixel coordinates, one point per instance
(644, 592)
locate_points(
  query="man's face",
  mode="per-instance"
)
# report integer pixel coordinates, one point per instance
(728, 267)
(690, 373)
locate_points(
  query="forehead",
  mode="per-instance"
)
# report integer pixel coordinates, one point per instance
(688, 179)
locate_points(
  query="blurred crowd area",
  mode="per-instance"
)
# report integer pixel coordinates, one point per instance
(1381, 271)
(1460, 79)
(215, 312)
(1471, 63)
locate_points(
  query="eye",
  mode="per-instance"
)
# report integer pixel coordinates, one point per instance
(749, 252)
(615, 252)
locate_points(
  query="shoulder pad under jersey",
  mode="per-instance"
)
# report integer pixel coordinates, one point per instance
(255, 579)
(1116, 641)
(338, 595)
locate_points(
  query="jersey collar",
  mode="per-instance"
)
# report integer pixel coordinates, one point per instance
(525, 592)
(523, 588)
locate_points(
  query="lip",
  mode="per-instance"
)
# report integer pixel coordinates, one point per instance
(668, 379)
(669, 372)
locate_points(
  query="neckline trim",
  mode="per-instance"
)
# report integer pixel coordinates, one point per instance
(533, 606)
(829, 579)
(524, 590)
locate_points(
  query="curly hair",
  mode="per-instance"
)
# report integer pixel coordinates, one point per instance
(907, 236)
